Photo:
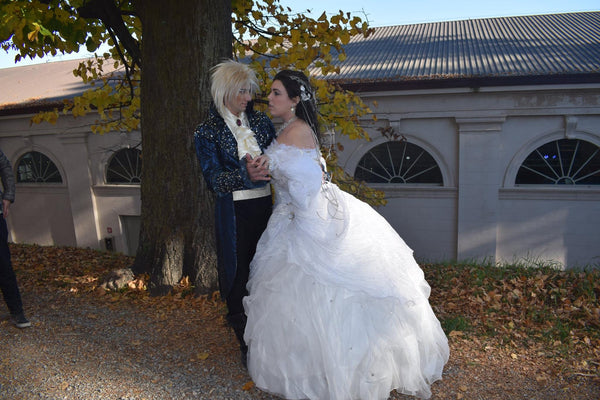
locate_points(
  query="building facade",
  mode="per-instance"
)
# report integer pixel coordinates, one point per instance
(499, 155)
(74, 187)
(486, 143)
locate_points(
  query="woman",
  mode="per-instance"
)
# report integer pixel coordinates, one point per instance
(337, 306)
(227, 144)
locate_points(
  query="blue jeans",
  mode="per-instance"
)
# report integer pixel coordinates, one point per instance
(8, 280)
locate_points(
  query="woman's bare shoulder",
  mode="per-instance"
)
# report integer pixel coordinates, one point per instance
(299, 135)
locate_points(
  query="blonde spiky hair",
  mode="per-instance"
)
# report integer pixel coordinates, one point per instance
(227, 79)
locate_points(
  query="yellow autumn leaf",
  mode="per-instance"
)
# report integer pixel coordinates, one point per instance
(32, 36)
(257, 15)
(185, 281)
(295, 36)
(345, 37)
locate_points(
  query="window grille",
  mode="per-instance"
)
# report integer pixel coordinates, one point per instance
(561, 162)
(35, 167)
(399, 162)
(125, 166)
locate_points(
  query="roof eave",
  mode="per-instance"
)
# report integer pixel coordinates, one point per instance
(31, 107)
(461, 82)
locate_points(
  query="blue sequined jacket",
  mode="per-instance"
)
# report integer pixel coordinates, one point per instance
(224, 173)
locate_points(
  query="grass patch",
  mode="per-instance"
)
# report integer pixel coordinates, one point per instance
(457, 323)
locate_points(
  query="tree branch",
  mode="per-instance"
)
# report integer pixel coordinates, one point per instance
(110, 15)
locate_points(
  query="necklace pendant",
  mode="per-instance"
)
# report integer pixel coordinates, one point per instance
(238, 122)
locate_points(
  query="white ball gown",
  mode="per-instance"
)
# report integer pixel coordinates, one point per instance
(338, 307)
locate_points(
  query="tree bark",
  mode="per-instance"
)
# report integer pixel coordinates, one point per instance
(182, 40)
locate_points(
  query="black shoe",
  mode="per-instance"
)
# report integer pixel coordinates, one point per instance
(20, 321)
(238, 323)
(245, 360)
(244, 351)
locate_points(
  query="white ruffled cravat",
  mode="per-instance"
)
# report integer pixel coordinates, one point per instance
(246, 142)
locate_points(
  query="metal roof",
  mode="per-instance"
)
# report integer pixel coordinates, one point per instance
(509, 47)
(552, 48)
(43, 86)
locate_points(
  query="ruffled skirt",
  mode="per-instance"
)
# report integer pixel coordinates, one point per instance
(340, 318)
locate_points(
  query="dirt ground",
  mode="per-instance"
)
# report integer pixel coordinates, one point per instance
(96, 347)
(86, 343)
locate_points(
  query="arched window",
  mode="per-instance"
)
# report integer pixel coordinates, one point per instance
(35, 167)
(125, 166)
(561, 162)
(398, 162)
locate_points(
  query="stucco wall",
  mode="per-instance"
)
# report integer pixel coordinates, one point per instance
(479, 139)
(82, 209)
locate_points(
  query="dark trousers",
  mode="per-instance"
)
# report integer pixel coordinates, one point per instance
(251, 217)
(8, 280)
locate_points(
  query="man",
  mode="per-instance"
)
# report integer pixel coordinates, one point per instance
(227, 144)
(8, 280)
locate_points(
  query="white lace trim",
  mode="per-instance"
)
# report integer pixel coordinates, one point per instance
(246, 142)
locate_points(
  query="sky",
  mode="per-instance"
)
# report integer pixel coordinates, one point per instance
(398, 12)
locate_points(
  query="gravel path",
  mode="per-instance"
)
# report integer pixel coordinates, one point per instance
(94, 347)
(80, 347)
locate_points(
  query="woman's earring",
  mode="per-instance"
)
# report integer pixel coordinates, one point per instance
(293, 109)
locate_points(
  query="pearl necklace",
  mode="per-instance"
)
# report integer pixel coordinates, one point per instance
(285, 125)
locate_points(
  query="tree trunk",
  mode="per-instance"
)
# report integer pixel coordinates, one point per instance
(182, 40)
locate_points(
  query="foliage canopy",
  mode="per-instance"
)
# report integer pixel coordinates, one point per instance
(266, 34)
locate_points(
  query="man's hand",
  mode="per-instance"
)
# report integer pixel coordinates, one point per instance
(5, 207)
(258, 168)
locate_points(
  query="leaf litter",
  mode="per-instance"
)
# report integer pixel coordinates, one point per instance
(513, 332)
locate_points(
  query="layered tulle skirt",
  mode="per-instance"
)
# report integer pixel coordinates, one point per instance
(338, 308)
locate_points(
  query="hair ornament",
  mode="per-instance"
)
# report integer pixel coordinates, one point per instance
(305, 94)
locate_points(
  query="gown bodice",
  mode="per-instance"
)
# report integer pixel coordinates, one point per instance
(296, 175)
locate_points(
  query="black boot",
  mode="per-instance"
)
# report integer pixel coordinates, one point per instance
(238, 323)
